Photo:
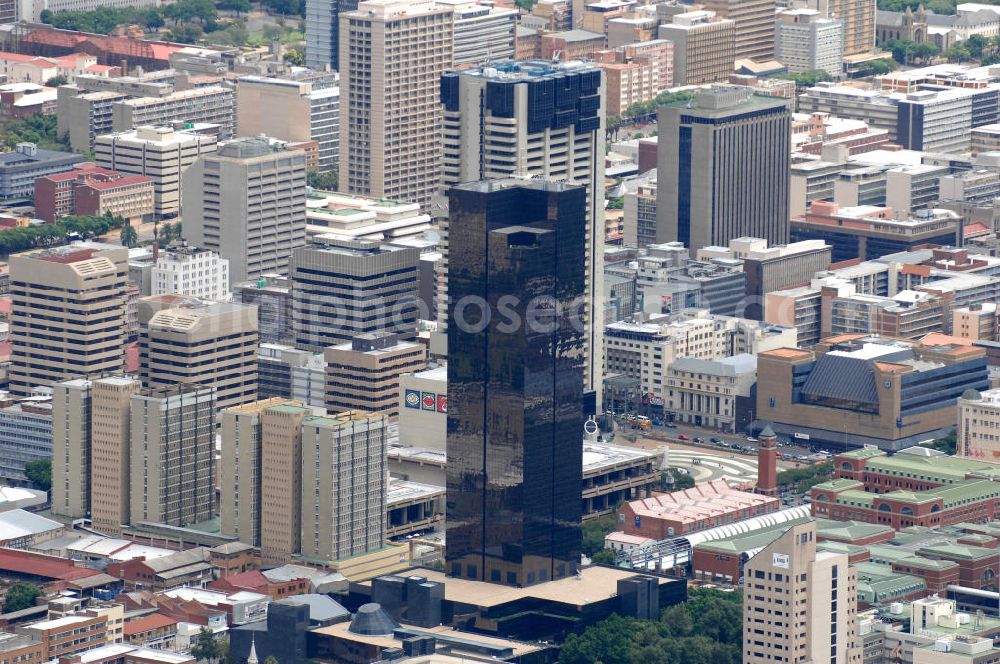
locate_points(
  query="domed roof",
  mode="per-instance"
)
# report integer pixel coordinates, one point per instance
(971, 395)
(372, 620)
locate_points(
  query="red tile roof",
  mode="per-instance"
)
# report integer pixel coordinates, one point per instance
(147, 623)
(52, 567)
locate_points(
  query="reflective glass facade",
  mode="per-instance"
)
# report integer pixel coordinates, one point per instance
(515, 380)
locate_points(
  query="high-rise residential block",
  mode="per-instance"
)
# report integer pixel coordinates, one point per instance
(724, 169)
(364, 374)
(515, 380)
(247, 203)
(704, 47)
(240, 467)
(156, 152)
(68, 313)
(345, 477)
(800, 603)
(189, 270)
(344, 288)
(172, 460)
(186, 340)
(71, 442)
(392, 55)
(754, 25)
(534, 120)
(290, 110)
(281, 488)
(858, 17)
(483, 31)
(111, 452)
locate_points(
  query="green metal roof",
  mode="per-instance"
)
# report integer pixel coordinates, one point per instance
(837, 485)
(878, 583)
(850, 531)
(855, 498)
(863, 453)
(939, 469)
(962, 551)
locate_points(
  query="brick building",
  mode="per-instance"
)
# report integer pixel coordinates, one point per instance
(255, 581)
(89, 189)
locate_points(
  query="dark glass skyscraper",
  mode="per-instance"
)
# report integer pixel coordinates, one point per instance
(515, 380)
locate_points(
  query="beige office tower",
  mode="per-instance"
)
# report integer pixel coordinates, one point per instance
(111, 452)
(160, 153)
(858, 17)
(799, 605)
(392, 55)
(344, 478)
(247, 203)
(80, 289)
(364, 374)
(240, 476)
(187, 340)
(501, 121)
(754, 27)
(281, 464)
(172, 458)
(704, 47)
(71, 404)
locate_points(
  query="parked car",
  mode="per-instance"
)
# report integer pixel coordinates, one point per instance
(670, 425)
(699, 439)
(716, 440)
(681, 436)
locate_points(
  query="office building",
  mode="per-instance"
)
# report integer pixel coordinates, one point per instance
(172, 461)
(284, 371)
(212, 104)
(715, 394)
(281, 488)
(985, 138)
(290, 110)
(272, 295)
(807, 41)
(345, 288)
(515, 132)
(704, 47)
(20, 168)
(856, 389)
(870, 232)
(89, 190)
(723, 169)
(483, 32)
(81, 287)
(359, 218)
(391, 142)
(160, 153)
(976, 322)
(323, 32)
(111, 458)
(71, 443)
(754, 26)
(514, 509)
(186, 340)
(978, 421)
(247, 203)
(364, 374)
(188, 270)
(344, 485)
(801, 602)
(25, 436)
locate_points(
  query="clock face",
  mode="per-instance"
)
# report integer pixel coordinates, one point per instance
(888, 384)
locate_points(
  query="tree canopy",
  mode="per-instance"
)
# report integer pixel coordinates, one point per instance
(594, 531)
(39, 472)
(806, 79)
(39, 129)
(22, 238)
(707, 629)
(21, 596)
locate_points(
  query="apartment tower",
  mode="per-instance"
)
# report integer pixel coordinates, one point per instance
(858, 17)
(281, 463)
(323, 32)
(799, 603)
(726, 169)
(754, 25)
(392, 55)
(345, 288)
(534, 120)
(68, 313)
(111, 452)
(71, 440)
(186, 340)
(247, 203)
(172, 460)
(704, 46)
(345, 478)
(364, 374)
(515, 380)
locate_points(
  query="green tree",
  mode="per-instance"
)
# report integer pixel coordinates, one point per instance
(806, 79)
(948, 444)
(293, 56)
(604, 557)
(616, 203)
(878, 67)
(322, 180)
(958, 53)
(607, 642)
(186, 33)
(21, 596)
(39, 472)
(39, 129)
(681, 480)
(238, 6)
(205, 646)
(56, 81)
(270, 659)
(129, 236)
(594, 531)
(803, 479)
(976, 45)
